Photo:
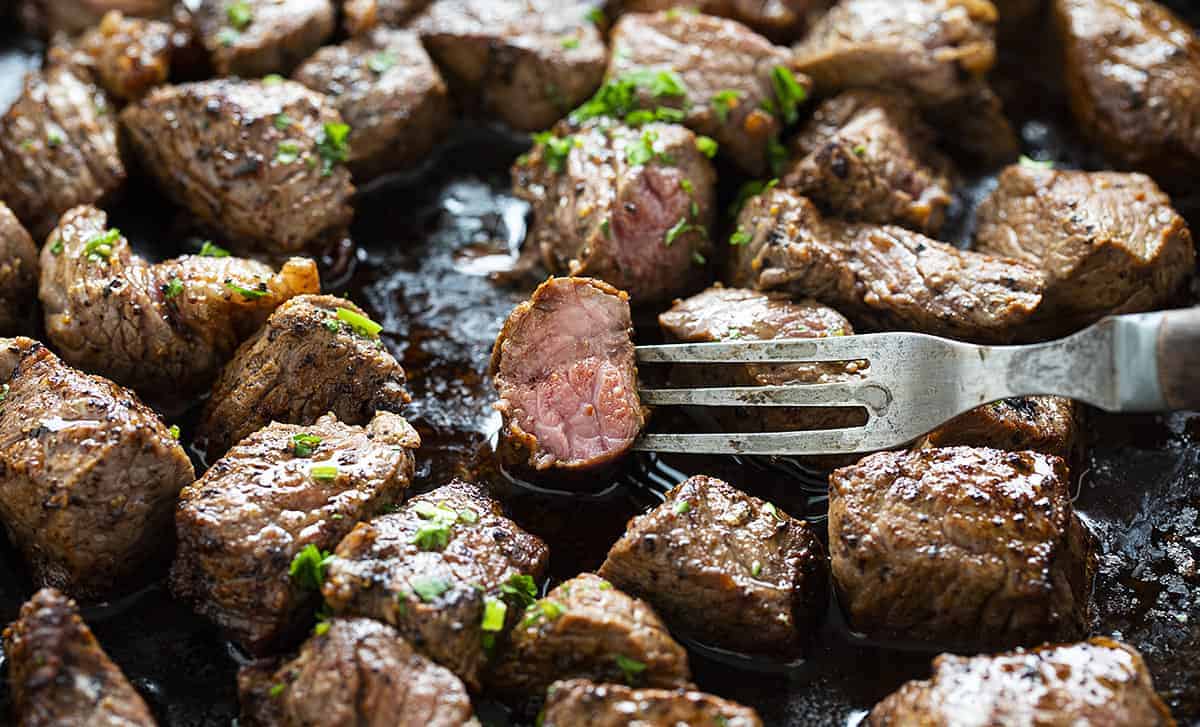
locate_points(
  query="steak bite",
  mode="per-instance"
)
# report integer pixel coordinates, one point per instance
(882, 276)
(632, 207)
(251, 38)
(585, 628)
(527, 61)
(963, 546)
(1107, 242)
(58, 148)
(565, 370)
(47, 18)
(128, 56)
(316, 354)
(783, 20)
(447, 569)
(18, 274)
(1046, 424)
(362, 16)
(1098, 681)
(1132, 70)
(254, 530)
(88, 474)
(579, 701)
(353, 672)
(729, 82)
(390, 94)
(259, 162)
(164, 329)
(760, 574)
(869, 156)
(58, 674)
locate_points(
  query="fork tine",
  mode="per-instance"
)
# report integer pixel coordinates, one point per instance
(792, 350)
(835, 394)
(821, 441)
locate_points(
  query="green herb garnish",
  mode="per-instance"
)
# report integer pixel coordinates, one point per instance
(682, 506)
(173, 287)
(494, 613)
(99, 248)
(277, 689)
(308, 567)
(362, 325)
(228, 36)
(382, 61)
(521, 589)
(272, 79)
(1035, 163)
(54, 138)
(723, 102)
(247, 293)
(789, 93)
(555, 149)
(739, 237)
(287, 152)
(210, 250)
(755, 569)
(240, 15)
(707, 146)
(323, 471)
(333, 146)
(770, 509)
(618, 97)
(56, 247)
(173, 430)
(570, 43)
(428, 588)
(303, 445)
(631, 668)
(283, 122)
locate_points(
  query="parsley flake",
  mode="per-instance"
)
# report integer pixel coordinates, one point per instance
(99, 248)
(172, 288)
(1035, 163)
(323, 471)
(208, 249)
(308, 567)
(361, 324)
(739, 237)
(333, 146)
(723, 102)
(287, 152)
(240, 15)
(631, 668)
(682, 507)
(707, 146)
(174, 431)
(789, 93)
(520, 589)
(304, 444)
(382, 61)
(494, 613)
(283, 122)
(429, 588)
(247, 293)
(555, 149)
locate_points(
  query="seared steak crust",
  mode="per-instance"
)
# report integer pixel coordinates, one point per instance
(273, 36)
(963, 546)
(355, 672)
(389, 92)
(782, 20)
(18, 274)
(527, 61)
(50, 17)
(565, 370)
(362, 16)
(88, 474)
(760, 574)
(242, 523)
(303, 363)
(58, 148)
(247, 158)
(435, 596)
(882, 276)
(58, 674)
(129, 56)
(1096, 682)
(164, 329)
(640, 224)
(579, 701)
(1046, 424)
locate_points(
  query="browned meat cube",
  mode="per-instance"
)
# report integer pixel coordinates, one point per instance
(882, 276)
(164, 329)
(58, 148)
(963, 546)
(58, 674)
(585, 628)
(362, 16)
(447, 570)
(783, 20)
(760, 574)
(260, 162)
(251, 38)
(353, 672)
(869, 156)
(632, 207)
(578, 701)
(129, 56)
(1097, 682)
(1133, 73)
(49, 17)
(316, 354)
(730, 83)
(1108, 242)
(1046, 424)
(88, 474)
(389, 92)
(565, 370)
(527, 61)
(18, 274)
(254, 530)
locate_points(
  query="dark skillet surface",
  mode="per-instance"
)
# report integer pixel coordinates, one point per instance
(427, 242)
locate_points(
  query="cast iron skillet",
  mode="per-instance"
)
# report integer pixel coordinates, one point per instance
(427, 242)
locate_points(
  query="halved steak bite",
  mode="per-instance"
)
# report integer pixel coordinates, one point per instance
(58, 148)
(59, 676)
(389, 92)
(251, 38)
(18, 274)
(630, 206)
(316, 354)
(353, 672)
(869, 156)
(759, 573)
(1098, 681)
(164, 329)
(254, 531)
(966, 547)
(1107, 242)
(585, 628)
(1132, 69)
(447, 569)
(49, 17)
(261, 162)
(128, 56)
(88, 474)
(718, 76)
(1046, 424)
(883, 276)
(527, 61)
(362, 16)
(579, 701)
(565, 370)
(783, 20)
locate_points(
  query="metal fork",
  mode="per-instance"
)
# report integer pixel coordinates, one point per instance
(914, 383)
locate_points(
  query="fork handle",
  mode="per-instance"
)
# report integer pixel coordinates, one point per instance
(1178, 351)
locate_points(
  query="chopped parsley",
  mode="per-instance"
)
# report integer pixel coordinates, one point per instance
(429, 588)
(208, 249)
(247, 293)
(174, 431)
(494, 613)
(739, 237)
(662, 113)
(642, 151)
(596, 16)
(676, 230)
(54, 138)
(27, 144)
(277, 689)
(770, 509)
(321, 628)
(756, 569)
(382, 61)
(545, 608)
(56, 247)
(1035, 163)
(606, 227)
(468, 516)
(707, 146)
(723, 102)
(605, 586)
(788, 92)
(228, 36)
(323, 471)
(555, 149)
(99, 248)
(240, 15)
(631, 668)
(309, 566)
(570, 43)
(303, 444)
(434, 533)
(698, 258)
(361, 324)
(682, 507)
(860, 149)
(777, 155)
(521, 590)
(618, 97)
(333, 146)
(173, 287)
(283, 122)
(4, 392)
(272, 79)
(686, 185)
(287, 152)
